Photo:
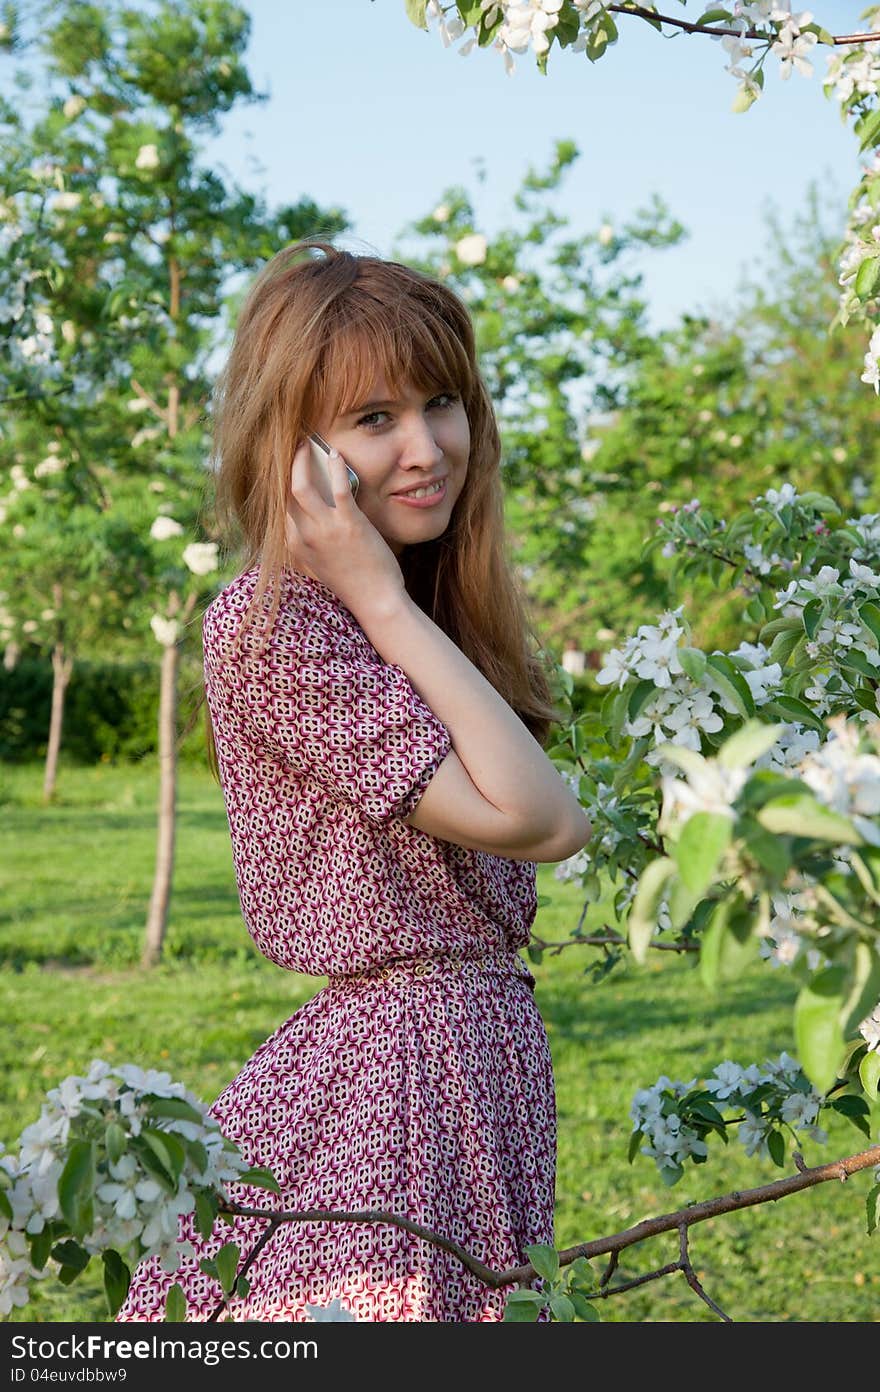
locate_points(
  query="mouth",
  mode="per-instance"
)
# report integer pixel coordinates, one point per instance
(424, 497)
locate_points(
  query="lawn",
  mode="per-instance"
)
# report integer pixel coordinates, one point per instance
(75, 893)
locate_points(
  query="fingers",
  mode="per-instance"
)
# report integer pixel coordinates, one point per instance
(317, 477)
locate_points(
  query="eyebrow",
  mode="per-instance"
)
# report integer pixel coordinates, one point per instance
(367, 406)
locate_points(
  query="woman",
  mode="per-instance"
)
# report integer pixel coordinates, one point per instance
(377, 715)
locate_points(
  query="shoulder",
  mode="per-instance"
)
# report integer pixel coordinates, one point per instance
(309, 616)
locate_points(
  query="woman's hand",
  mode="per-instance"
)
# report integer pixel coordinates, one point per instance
(334, 540)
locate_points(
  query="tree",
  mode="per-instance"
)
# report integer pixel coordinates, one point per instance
(127, 248)
(748, 30)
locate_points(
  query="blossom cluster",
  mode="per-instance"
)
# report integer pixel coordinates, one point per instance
(153, 1146)
(682, 708)
(674, 1118)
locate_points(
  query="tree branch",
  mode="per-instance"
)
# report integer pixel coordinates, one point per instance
(684, 1263)
(681, 1221)
(719, 31)
(607, 939)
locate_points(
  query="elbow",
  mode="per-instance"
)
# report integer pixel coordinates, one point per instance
(573, 838)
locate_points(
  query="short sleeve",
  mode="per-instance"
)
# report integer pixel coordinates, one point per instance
(318, 699)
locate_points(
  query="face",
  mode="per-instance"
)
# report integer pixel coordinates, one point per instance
(396, 444)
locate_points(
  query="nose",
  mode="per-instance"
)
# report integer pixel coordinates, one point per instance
(419, 444)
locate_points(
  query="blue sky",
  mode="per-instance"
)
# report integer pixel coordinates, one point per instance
(370, 114)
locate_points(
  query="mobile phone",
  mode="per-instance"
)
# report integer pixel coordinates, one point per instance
(320, 450)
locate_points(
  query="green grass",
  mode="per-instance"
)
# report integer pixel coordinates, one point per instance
(74, 899)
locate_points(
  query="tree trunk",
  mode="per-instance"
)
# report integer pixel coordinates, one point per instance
(158, 916)
(62, 666)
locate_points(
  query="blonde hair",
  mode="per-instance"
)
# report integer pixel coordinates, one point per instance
(314, 329)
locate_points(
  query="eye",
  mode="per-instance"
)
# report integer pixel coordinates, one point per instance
(372, 421)
(445, 399)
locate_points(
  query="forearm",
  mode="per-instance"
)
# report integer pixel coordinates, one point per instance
(503, 760)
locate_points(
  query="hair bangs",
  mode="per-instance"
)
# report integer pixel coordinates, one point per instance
(402, 341)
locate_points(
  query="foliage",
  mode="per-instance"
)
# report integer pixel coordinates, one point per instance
(111, 711)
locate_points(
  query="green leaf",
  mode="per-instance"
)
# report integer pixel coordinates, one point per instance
(635, 1142)
(416, 13)
(70, 1255)
(790, 708)
(870, 616)
(563, 1308)
(783, 646)
(849, 1105)
(545, 1260)
(748, 744)
(715, 16)
(869, 1073)
(41, 1245)
(584, 1309)
(858, 662)
(872, 1206)
(226, 1262)
(812, 617)
(525, 1295)
(818, 1030)
(771, 630)
(260, 1178)
(174, 1107)
(642, 922)
(776, 1147)
(242, 1287)
(175, 1305)
(755, 610)
(197, 1154)
(169, 1150)
(798, 814)
(867, 278)
(728, 943)
(115, 1138)
(726, 678)
(117, 1279)
(76, 1188)
(682, 903)
(520, 1311)
(768, 850)
(693, 663)
(868, 129)
(704, 839)
(638, 696)
(206, 1212)
(864, 987)
(707, 1111)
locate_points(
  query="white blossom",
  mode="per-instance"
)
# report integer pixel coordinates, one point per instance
(846, 780)
(869, 1029)
(471, 250)
(147, 157)
(165, 631)
(708, 787)
(164, 528)
(201, 557)
(792, 47)
(778, 498)
(73, 106)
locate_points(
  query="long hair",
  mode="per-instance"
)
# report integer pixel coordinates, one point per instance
(315, 327)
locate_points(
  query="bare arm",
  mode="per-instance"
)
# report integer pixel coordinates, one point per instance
(498, 791)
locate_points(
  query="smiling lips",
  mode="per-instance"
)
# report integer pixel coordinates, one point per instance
(436, 494)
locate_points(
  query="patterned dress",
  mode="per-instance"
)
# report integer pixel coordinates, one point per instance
(418, 1080)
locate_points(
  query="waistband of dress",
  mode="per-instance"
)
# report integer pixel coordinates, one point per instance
(415, 969)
